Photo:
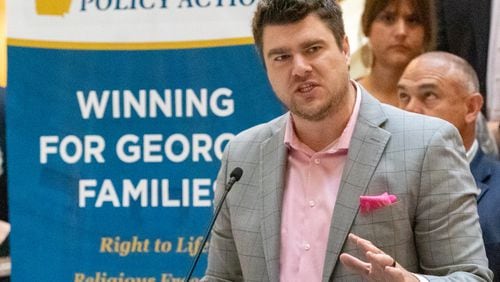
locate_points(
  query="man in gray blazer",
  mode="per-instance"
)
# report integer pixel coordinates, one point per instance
(341, 188)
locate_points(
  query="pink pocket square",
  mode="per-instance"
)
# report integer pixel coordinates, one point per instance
(370, 203)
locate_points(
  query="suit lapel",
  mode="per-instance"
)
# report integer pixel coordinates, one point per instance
(273, 166)
(365, 151)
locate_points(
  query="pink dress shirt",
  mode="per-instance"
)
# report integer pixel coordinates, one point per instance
(311, 186)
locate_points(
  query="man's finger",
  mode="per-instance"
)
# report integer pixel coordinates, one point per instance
(379, 262)
(354, 264)
(365, 245)
(395, 274)
(381, 259)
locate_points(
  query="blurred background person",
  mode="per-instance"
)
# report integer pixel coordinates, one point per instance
(3, 81)
(352, 11)
(4, 214)
(471, 29)
(464, 27)
(397, 32)
(493, 72)
(444, 85)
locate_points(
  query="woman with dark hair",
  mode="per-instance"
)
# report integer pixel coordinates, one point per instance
(397, 32)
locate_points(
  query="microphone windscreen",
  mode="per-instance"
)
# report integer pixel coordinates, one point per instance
(236, 173)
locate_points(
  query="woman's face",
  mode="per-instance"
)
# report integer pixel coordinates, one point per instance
(396, 35)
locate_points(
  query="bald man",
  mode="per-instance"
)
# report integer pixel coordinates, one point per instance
(443, 85)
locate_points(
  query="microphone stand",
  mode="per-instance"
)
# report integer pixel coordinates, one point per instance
(235, 176)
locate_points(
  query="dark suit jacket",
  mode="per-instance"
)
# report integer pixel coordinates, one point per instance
(486, 172)
(464, 28)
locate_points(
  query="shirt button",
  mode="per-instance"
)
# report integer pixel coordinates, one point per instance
(307, 247)
(312, 203)
(317, 161)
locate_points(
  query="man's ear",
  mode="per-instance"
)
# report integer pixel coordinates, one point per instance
(474, 103)
(346, 50)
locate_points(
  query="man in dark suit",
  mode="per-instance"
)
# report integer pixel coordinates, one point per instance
(443, 85)
(464, 30)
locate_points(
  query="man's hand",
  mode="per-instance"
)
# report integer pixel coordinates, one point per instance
(378, 265)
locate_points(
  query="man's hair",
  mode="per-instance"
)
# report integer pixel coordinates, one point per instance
(458, 69)
(280, 12)
(468, 75)
(425, 12)
(472, 81)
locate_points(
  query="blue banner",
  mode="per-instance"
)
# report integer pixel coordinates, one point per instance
(113, 155)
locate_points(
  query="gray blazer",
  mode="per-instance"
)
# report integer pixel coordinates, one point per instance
(432, 229)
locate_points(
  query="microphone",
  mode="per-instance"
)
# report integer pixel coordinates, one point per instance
(233, 178)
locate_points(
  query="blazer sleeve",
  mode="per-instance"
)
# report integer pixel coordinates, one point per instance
(447, 231)
(223, 261)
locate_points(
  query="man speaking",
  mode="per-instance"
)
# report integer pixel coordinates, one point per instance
(342, 187)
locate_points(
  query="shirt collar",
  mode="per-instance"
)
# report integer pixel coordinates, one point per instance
(292, 141)
(471, 153)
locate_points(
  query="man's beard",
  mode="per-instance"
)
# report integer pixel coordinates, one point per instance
(324, 110)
